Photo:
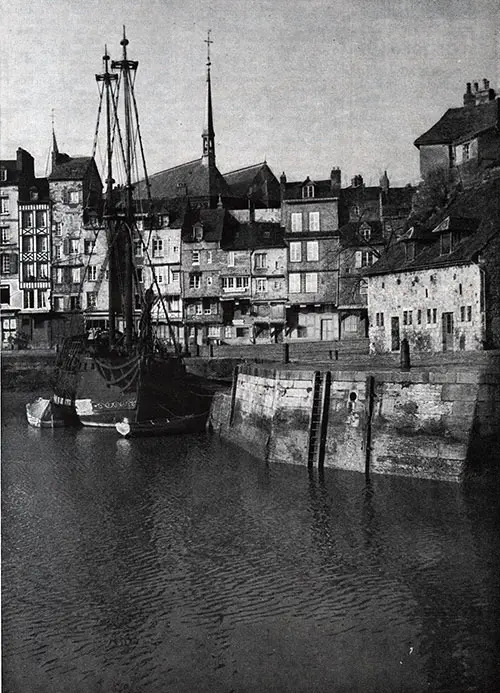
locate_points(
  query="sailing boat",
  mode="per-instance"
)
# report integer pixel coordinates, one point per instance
(124, 379)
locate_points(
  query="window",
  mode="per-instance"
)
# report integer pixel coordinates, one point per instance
(429, 316)
(308, 191)
(242, 282)
(313, 221)
(57, 227)
(195, 260)
(26, 219)
(87, 247)
(301, 331)
(57, 252)
(140, 275)
(434, 315)
(3, 174)
(4, 205)
(29, 298)
(43, 271)
(350, 323)
(469, 313)
(460, 289)
(295, 251)
(175, 275)
(230, 258)
(419, 317)
(73, 246)
(365, 232)
(42, 299)
(157, 247)
(58, 303)
(91, 299)
(4, 294)
(260, 260)
(199, 309)
(445, 243)
(92, 273)
(75, 275)
(379, 319)
(29, 272)
(363, 258)
(312, 251)
(5, 264)
(407, 317)
(363, 287)
(74, 197)
(59, 275)
(4, 234)
(40, 219)
(42, 243)
(33, 194)
(159, 277)
(194, 281)
(242, 332)
(74, 302)
(228, 332)
(294, 283)
(209, 257)
(311, 282)
(462, 313)
(210, 280)
(277, 285)
(261, 285)
(207, 308)
(296, 221)
(466, 151)
(213, 331)
(28, 244)
(137, 248)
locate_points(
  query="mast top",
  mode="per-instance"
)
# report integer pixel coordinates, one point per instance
(208, 41)
(124, 41)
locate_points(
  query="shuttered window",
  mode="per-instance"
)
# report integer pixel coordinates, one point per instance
(313, 221)
(296, 221)
(295, 251)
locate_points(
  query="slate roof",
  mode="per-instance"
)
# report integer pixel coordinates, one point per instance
(70, 168)
(255, 235)
(350, 235)
(216, 224)
(322, 188)
(12, 172)
(477, 210)
(191, 179)
(241, 180)
(462, 124)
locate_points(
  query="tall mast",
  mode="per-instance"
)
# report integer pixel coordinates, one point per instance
(108, 78)
(127, 67)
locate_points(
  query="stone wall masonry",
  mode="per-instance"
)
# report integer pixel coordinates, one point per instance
(418, 423)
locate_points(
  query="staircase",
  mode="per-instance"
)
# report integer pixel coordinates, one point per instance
(319, 419)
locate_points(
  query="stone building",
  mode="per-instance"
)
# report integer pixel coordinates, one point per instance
(310, 217)
(79, 251)
(465, 139)
(439, 285)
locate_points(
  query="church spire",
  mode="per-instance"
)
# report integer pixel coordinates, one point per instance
(208, 135)
(55, 148)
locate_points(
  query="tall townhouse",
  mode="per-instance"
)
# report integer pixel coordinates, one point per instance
(35, 261)
(310, 217)
(13, 173)
(204, 264)
(254, 284)
(79, 249)
(157, 251)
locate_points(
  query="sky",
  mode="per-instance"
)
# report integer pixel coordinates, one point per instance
(304, 84)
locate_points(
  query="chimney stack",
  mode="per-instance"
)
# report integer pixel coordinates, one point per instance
(335, 179)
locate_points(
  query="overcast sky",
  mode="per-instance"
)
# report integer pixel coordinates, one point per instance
(305, 84)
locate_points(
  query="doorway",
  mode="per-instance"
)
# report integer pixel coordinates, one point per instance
(395, 336)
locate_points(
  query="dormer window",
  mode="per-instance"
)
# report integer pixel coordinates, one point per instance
(446, 243)
(198, 232)
(33, 194)
(466, 152)
(3, 174)
(365, 232)
(308, 190)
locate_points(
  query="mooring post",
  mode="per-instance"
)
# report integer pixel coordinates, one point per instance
(405, 355)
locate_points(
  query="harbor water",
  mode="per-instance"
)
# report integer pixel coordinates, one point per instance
(182, 565)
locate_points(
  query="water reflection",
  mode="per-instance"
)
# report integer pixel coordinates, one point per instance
(185, 565)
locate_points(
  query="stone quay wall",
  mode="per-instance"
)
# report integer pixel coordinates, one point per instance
(422, 423)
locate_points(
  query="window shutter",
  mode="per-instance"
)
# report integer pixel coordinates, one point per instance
(66, 246)
(357, 258)
(13, 263)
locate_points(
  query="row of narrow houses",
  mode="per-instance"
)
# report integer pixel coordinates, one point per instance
(243, 257)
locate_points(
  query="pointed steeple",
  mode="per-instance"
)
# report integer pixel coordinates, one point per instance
(208, 134)
(55, 148)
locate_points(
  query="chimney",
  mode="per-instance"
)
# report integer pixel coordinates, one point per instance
(282, 186)
(486, 84)
(384, 182)
(357, 181)
(485, 94)
(469, 99)
(476, 86)
(25, 163)
(335, 179)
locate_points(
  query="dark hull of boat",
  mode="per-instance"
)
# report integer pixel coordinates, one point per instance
(184, 424)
